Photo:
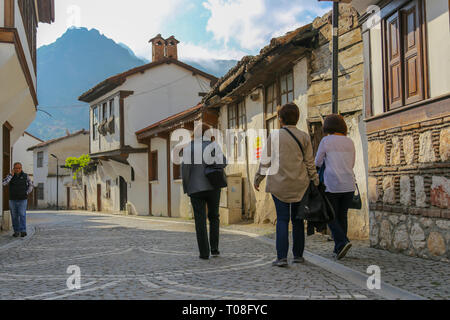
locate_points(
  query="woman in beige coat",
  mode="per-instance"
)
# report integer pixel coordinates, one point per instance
(289, 183)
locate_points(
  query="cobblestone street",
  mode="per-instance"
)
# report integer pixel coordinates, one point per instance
(150, 258)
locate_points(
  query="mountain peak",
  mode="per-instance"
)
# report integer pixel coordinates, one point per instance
(78, 60)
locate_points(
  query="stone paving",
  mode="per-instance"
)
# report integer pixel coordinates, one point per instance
(427, 278)
(151, 259)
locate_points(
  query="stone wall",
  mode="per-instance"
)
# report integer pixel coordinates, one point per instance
(409, 189)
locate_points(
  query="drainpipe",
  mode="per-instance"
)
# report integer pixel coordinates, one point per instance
(335, 89)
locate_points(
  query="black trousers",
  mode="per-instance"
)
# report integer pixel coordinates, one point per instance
(199, 202)
(339, 226)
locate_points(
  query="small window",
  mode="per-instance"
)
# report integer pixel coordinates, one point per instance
(94, 123)
(287, 88)
(40, 191)
(104, 112)
(132, 174)
(154, 166)
(232, 117)
(111, 108)
(40, 159)
(242, 117)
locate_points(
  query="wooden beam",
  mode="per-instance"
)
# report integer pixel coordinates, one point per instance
(422, 111)
(9, 13)
(150, 174)
(169, 182)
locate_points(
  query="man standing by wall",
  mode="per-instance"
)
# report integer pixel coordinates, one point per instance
(20, 186)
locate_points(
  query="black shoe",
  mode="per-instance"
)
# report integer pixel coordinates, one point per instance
(282, 263)
(298, 260)
(215, 253)
(343, 251)
(23, 234)
(204, 258)
(16, 234)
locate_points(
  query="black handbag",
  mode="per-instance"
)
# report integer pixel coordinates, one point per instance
(314, 206)
(216, 174)
(356, 201)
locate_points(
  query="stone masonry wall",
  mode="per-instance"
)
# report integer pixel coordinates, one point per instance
(409, 189)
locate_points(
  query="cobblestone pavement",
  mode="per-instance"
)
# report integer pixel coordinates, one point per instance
(126, 258)
(427, 278)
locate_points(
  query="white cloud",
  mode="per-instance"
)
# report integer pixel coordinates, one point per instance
(133, 22)
(198, 52)
(252, 23)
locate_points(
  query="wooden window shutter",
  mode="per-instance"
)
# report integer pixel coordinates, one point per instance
(394, 62)
(413, 58)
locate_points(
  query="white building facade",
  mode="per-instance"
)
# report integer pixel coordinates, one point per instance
(124, 104)
(18, 100)
(54, 185)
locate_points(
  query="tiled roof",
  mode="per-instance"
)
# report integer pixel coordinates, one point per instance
(119, 79)
(49, 142)
(168, 121)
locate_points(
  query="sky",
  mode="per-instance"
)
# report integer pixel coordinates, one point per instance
(207, 29)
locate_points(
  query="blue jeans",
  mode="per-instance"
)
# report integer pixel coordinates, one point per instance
(339, 226)
(18, 210)
(286, 212)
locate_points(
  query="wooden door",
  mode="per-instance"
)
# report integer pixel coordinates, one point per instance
(123, 194)
(316, 133)
(68, 198)
(99, 197)
(6, 163)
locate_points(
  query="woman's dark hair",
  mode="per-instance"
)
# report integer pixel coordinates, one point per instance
(335, 123)
(289, 114)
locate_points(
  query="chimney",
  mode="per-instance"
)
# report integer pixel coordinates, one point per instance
(158, 48)
(164, 48)
(171, 48)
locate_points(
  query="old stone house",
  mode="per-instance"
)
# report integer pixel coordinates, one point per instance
(124, 104)
(407, 115)
(295, 67)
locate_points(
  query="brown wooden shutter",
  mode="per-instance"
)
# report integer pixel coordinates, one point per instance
(394, 62)
(413, 59)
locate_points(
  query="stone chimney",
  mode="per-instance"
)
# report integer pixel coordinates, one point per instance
(164, 48)
(172, 48)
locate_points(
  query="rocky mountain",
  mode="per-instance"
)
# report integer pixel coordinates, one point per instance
(76, 62)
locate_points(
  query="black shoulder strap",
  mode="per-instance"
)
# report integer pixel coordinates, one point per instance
(298, 142)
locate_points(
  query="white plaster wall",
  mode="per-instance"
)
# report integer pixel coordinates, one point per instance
(180, 202)
(20, 153)
(138, 189)
(159, 188)
(438, 46)
(301, 73)
(76, 198)
(40, 174)
(50, 193)
(377, 70)
(175, 90)
(23, 40)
